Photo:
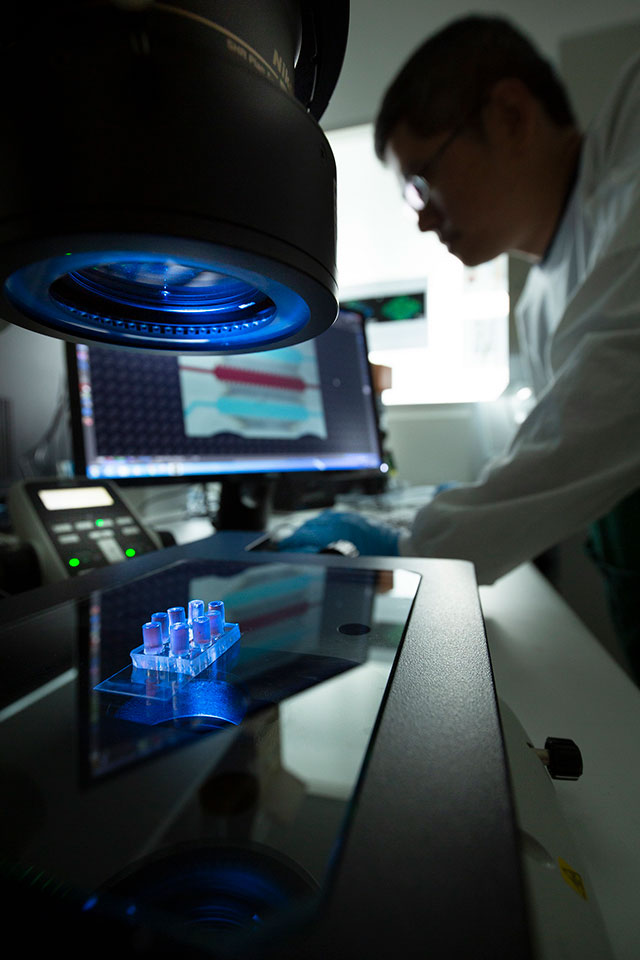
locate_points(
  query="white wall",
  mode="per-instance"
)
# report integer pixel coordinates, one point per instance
(382, 34)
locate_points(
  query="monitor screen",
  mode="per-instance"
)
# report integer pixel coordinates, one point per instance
(149, 416)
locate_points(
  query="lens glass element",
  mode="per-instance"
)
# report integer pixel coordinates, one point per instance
(169, 286)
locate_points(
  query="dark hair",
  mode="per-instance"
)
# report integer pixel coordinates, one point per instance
(453, 71)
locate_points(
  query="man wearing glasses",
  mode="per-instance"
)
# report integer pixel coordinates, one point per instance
(489, 155)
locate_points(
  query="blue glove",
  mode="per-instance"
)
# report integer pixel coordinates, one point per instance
(444, 486)
(370, 539)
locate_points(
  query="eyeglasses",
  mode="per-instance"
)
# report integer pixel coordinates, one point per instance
(416, 188)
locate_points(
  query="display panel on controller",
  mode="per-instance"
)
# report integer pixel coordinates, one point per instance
(77, 525)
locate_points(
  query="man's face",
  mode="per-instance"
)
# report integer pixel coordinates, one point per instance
(472, 206)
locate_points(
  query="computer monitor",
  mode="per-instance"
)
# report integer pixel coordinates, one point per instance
(152, 417)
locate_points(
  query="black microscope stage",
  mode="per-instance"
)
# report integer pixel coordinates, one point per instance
(334, 784)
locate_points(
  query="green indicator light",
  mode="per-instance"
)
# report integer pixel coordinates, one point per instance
(74, 562)
(130, 552)
(99, 523)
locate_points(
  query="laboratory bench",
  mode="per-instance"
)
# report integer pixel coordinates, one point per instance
(557, 677)
(418, 789)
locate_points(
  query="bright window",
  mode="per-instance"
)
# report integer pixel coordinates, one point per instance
(459, 352)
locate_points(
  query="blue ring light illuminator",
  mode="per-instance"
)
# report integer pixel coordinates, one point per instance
(143, 299)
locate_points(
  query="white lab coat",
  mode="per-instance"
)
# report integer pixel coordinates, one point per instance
(578, 452)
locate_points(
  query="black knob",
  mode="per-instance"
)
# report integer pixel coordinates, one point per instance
(564, 760)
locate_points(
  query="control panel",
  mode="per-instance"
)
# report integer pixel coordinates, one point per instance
(77, 525)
